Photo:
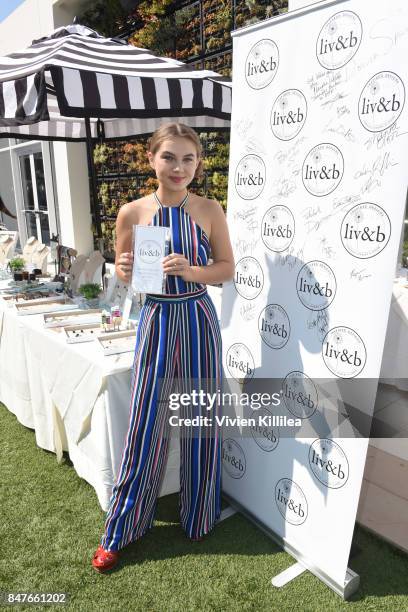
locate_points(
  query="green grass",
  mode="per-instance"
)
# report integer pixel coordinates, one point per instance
(50, 524)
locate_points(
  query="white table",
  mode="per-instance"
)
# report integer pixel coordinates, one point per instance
(74, 397)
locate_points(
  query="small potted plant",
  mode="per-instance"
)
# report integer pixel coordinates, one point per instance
(91, 292)
(17, 265)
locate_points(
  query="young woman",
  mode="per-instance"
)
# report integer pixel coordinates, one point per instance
(178, 337)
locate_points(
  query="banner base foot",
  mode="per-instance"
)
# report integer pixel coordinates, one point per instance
(351, 582)
(226, 513)
(287, 575)
(345, 589)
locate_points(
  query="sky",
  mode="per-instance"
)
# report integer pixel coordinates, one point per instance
(7, 7)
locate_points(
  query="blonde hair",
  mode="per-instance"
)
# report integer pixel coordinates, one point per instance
(174, 129)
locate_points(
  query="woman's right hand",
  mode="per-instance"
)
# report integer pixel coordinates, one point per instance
(124, 266)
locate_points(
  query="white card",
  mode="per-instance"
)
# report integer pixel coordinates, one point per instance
(149, 249)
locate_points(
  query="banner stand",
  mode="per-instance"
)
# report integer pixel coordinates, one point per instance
(316, 199)
(346, 590)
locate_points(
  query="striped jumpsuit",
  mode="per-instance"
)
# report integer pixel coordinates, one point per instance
(178, 337)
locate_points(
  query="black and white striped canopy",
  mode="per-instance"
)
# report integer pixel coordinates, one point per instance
(47, 89)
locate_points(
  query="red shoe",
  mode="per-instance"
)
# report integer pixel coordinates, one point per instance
(104, 560)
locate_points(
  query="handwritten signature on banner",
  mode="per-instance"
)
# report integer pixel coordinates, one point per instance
(326, 249)
(248, 312)
(242, 128)
(324, 84)
(292, 153)
(343, 110)
(245, 214)
(314, 218)
(359, 275)
(372, 173)
(245, 247)
(291, 258)
(319, 321)
(340, 130)
(284, 187)
(380, 140)
(253, 145)
(337, 97)
(252, 226)
(386, 33)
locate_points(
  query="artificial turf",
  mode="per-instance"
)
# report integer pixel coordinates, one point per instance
(51, 522)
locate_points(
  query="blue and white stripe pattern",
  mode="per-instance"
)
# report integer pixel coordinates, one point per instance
(187, 238)
(178, 338)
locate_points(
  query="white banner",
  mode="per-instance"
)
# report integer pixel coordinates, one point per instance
(317, 187)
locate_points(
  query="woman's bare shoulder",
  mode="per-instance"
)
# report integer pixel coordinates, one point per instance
(206, 205)
(133, 210)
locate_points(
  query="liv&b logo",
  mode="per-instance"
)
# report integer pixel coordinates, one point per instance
(264, 434)
(274, 326)
(288, 114)
(249, 278)
(316, 285)
(365, 230)
(278, 228)
(323, 169)
(233, 458)
(262, 64)
(381, 101)
(300, 394)
(344, 352)
(240, 362)
(339, 40)
(291, 501)
(149, 251)
(250, 177)
(328, 463)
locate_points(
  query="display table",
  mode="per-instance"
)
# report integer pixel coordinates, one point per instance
(74, 397)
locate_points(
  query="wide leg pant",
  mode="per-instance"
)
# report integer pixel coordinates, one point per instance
(177, 336)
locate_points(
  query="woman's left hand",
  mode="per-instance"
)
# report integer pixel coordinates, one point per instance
(177, 265)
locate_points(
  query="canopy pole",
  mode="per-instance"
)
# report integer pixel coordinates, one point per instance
(93, 185)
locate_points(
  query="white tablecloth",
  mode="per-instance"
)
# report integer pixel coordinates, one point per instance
(73, 396)
(394, 368)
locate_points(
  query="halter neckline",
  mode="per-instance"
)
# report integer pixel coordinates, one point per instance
(181, 205)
